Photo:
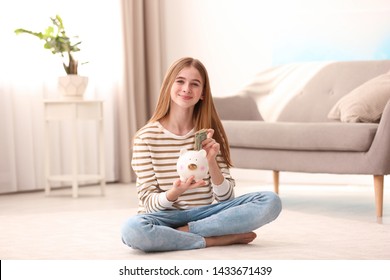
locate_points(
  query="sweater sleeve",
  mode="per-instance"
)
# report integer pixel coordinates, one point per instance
(224, 191)
(149, 193)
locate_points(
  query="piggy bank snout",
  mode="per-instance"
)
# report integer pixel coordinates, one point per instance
(192, 166)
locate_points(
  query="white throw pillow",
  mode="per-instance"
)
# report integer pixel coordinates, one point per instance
(365, 103)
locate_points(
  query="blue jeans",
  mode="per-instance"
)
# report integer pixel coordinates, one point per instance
(157, 231)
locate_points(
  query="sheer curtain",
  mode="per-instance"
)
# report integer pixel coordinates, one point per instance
(28, 74)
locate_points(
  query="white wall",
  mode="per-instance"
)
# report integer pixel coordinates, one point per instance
(236, 39)
(230, 37)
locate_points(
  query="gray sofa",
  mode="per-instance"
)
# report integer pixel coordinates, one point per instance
(280, 122)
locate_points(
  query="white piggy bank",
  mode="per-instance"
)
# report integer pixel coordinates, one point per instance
(192, 163)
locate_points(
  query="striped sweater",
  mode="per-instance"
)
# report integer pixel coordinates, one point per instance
(155, 154)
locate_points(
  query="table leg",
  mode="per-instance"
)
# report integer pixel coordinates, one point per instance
(102, 156)
(47, 158)
(75, 160)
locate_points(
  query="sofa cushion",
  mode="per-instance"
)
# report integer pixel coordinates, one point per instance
(365, 103)
(330, 136)
(238, 107)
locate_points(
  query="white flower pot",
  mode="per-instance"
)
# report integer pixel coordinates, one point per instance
(72, 86)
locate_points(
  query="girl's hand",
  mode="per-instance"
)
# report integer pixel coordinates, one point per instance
(188, 184)
(180, 187)
(210, 145)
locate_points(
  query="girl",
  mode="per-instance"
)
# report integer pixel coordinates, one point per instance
(176, 215)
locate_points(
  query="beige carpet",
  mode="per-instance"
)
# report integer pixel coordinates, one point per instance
(317, 222)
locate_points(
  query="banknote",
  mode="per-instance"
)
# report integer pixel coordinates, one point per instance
(199, 137)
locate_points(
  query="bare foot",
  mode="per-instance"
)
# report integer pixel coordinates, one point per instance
(223, 240)
(230, 239)
(184, 228)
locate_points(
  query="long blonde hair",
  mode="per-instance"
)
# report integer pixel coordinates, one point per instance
(205, 115)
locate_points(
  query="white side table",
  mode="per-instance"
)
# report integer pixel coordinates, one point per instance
(74, 111)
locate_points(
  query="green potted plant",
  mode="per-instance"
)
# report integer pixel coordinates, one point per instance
(57, 41)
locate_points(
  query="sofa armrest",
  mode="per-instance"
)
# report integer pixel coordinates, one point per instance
(379, 153)
(237, 107)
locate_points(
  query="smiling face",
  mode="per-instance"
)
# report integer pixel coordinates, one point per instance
(187, 88)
